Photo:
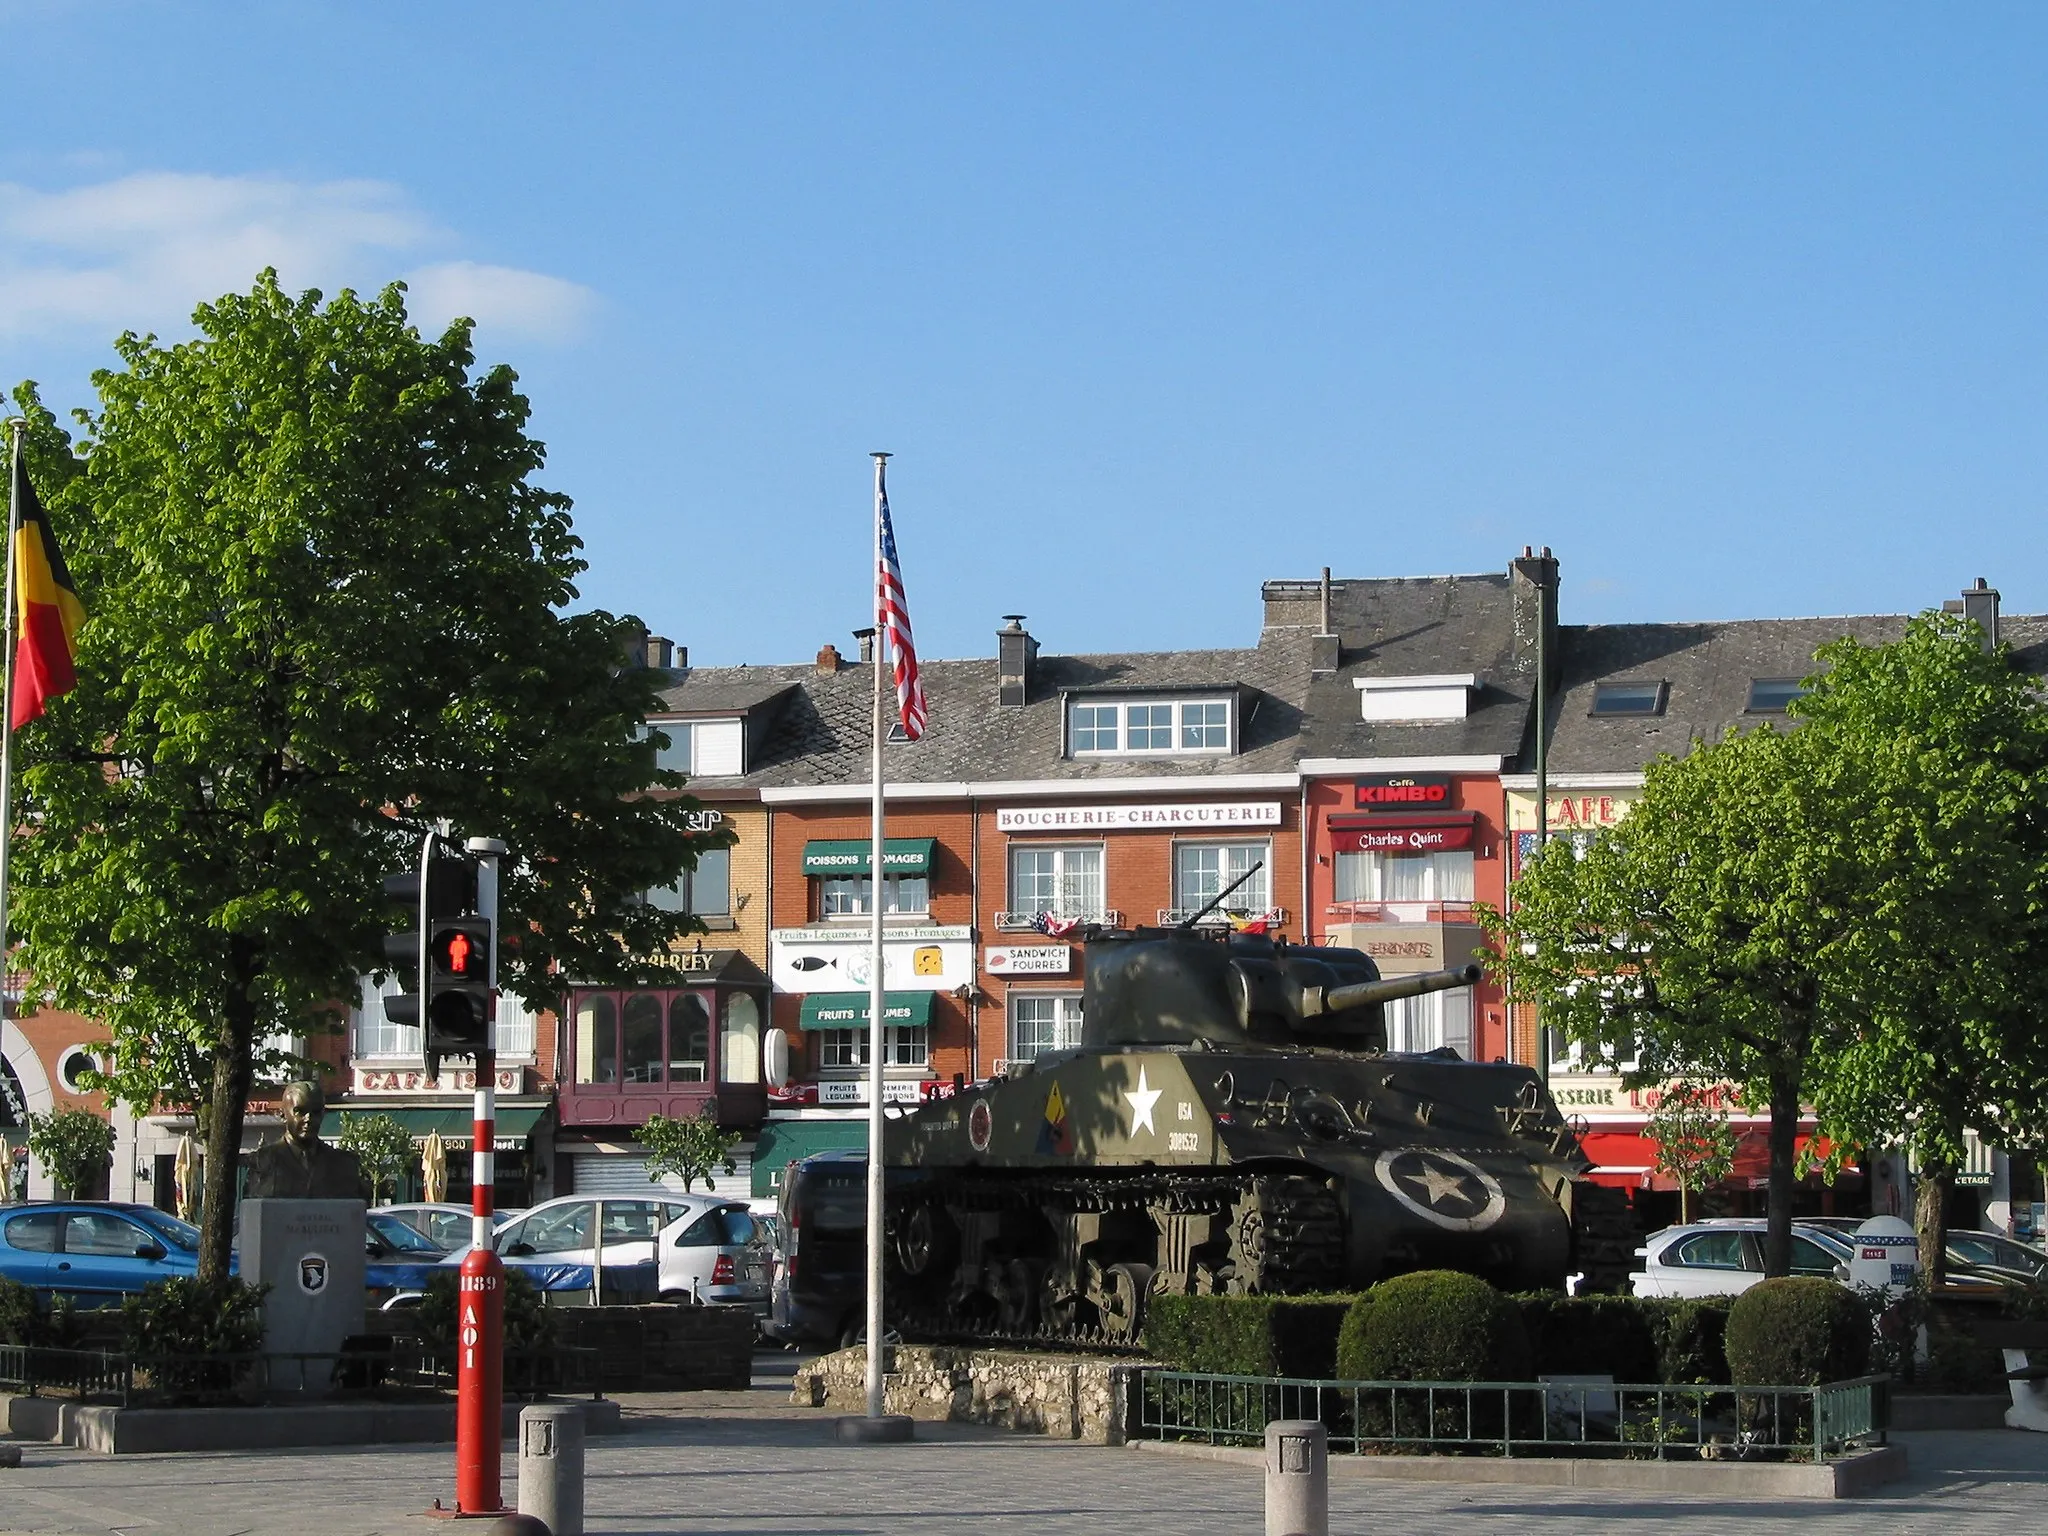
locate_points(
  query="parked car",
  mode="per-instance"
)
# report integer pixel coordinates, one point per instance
(1723, 1258)
(447, 1225)
(397, 1257)
(1990, 1254)
(94, 1250)
(701, 1248)
(821, 1287)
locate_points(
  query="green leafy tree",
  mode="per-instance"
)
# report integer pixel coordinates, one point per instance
(1699, 935)
(1937, 749)
(383, 1147)
(73, 1145)
(327, 608)
(691, 1148)
(1694, 1141)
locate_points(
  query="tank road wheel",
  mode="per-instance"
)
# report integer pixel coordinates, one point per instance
(1019, 1284)
(1603, 1237)
(1247, 1247)
(924, 1249)
(1121, 1302)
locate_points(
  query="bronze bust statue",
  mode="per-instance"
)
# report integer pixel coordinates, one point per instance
(302, 1166)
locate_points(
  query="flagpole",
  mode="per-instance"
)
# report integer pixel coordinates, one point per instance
(876, 1034)
(16, 426)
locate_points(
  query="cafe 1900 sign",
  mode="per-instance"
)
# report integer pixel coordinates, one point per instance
(372, 1080)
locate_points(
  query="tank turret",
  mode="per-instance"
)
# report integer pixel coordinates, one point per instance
(1163, 986)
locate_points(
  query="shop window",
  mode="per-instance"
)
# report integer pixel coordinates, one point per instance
(597, 1040)
(1439, 879)
(642, 1053)
(1628, 698)
(1431, 1022)
(739, 1040)
(705, 891)
(1041, 1022)
(1770, 695)
(1152, 727)
(689, 1039)
(853, 896)
(1066, 882)
(1201, 870)
(903, 1045)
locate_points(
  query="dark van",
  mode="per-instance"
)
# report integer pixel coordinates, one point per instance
(821, 1289)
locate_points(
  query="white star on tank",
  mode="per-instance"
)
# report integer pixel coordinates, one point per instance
(1142, 1098)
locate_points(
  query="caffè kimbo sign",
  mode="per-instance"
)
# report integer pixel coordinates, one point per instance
(1404, 791)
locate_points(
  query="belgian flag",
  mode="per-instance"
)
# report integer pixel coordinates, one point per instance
(48, 611)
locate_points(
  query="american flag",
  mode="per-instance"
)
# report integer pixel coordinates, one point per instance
(892, 617)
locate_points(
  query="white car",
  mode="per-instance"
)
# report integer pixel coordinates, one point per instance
(707, 1248)
(445, 1225)
(1723, 1258)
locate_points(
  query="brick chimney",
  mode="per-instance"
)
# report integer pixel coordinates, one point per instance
(1016, 657)
(660, 652)
(829, 659)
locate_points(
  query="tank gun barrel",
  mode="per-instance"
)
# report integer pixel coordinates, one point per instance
(1317, 1000)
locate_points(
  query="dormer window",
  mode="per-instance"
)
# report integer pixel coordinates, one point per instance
(1414, 699)
(1148, 727)
(701, 748)
(1628, 698)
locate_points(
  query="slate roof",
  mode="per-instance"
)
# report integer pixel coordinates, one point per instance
(1708, 669)
(821, 734)
(1422, 627)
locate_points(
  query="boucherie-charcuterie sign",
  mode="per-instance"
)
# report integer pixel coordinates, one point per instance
(1406, 791)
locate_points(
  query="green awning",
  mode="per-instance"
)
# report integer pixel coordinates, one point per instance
(849, 856)
(785, 1141)
(849, 1010)
(513, 1126)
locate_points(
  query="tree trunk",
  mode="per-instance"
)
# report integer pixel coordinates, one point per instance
(1784, 1142)
(1930, 1208)
(227, 1101)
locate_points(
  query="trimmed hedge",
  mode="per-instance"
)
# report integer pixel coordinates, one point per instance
(1797, 1331)
(1247, 1335)
(1433, 1325)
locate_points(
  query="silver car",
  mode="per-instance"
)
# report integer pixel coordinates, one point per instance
(706, 1248)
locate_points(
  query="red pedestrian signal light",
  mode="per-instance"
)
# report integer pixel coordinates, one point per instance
(459, 955)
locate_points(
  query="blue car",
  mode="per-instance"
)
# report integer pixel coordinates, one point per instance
(99, 1251)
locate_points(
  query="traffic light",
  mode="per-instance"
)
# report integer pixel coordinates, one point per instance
(459, 993)
(442, 896)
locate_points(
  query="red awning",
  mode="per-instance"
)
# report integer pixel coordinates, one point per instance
(1402, 831)
(1627, 1159)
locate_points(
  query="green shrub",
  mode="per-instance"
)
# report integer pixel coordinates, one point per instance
(528, 1324)
(182, 1332)
(1589, 1335)
(1690, 1338)
(1797, 1331)
(1434, 1325)
(1247, 1335)
(27, 1319)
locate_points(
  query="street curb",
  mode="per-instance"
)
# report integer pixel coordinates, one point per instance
(1958, 1411)
(137, 1431)
(1843, 1479)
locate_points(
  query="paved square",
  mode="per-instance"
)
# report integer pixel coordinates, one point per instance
(743, 1464)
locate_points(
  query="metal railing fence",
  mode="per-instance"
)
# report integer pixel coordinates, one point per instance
(1652, 1421)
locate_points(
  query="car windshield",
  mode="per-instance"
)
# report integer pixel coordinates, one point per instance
(400, 1236)
(179, 1234)
(1832, 1241)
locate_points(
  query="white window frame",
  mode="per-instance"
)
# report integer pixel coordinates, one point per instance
(853, 895)
(904, 1045)
(1177, 727)
(1063, 902)
(1434, 1019)
(1255, 896)
(1065, 1022)
(373, 1037)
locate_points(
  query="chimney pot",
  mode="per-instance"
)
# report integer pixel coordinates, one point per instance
(866, 637)
(1016, 659)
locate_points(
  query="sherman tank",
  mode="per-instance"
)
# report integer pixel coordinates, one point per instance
(1231, 1122)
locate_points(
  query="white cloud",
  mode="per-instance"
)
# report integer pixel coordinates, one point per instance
(141, 251)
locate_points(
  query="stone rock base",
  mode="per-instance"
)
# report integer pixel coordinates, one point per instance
(1069, 1397)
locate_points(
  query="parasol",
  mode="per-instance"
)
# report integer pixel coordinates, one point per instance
(434, 1169)
(186, 1174)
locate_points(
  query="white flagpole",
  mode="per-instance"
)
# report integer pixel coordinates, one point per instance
(15, 429)
(876, 1034)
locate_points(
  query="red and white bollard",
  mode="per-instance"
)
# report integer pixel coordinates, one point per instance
(479, 1384)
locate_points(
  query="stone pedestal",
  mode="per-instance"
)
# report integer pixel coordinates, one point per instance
(310, 1254)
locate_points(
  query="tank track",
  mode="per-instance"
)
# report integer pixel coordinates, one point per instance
(1264, 1232)
(1604, 1237)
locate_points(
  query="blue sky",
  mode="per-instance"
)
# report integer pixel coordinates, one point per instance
(1738, 307)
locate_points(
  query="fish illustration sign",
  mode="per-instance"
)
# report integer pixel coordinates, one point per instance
(842, 959)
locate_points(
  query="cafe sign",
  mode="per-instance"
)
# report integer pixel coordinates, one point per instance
(1403, 791)
(370, 1081)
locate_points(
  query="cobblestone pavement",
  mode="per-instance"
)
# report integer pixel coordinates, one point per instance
(746, 1465)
